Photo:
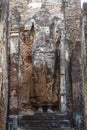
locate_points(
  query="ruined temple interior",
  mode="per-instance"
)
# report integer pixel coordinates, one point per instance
(43, 68)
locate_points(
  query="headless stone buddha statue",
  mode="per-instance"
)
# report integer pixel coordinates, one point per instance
(45, 88)
(44, 92)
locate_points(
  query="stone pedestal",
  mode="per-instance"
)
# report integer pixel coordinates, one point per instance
(46, 121)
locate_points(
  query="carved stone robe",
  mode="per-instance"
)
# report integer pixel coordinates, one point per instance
(44, 89)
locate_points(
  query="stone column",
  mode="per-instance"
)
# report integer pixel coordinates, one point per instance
(68, 77)
(14, 70)
(1, 44)
(84, 67)
(5, 62)
(62, 73)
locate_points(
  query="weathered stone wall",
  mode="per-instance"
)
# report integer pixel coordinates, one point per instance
(22, 36)
(84, 59)
(1, 37)
(77, 78)
(72, 26)
(1, 46)
(73, 15)
(73, 45)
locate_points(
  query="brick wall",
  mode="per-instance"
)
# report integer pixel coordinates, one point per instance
(73, 36)
(73, 14)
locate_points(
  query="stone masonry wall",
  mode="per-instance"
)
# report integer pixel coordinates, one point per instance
(72, 20)
(1, 46)
(73, 35)
(73, 15)
(20, 29)
(84, 59)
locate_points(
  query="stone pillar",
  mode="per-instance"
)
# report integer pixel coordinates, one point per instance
(84, 65)
(5, 62)
(1, 44)
(14, 58)
(62, 73)
(68, 78)
(14, 71)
